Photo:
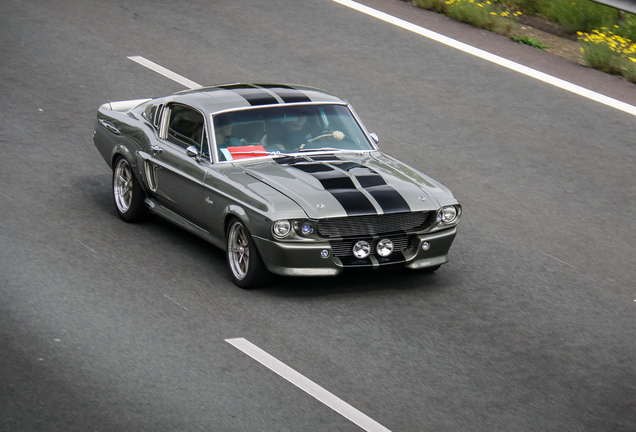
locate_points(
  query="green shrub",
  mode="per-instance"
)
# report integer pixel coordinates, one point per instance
(434, 5)
(581, 15)
(479, 13)
(610, 51)
(629, 70)
(577, 15)
(604, 50)
(485, 14)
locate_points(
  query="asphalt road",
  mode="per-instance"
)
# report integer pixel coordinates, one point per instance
(108, 326)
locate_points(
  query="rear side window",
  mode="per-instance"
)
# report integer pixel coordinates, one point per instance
(153, 114)
(156, 115)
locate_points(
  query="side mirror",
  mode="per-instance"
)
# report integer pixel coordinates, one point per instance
(375, 137)
(192, 151)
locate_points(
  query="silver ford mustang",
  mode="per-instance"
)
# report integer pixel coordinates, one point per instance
(285, 179)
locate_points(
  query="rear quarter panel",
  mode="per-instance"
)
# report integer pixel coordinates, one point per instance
(119, 132)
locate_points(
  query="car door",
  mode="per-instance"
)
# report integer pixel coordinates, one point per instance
(176, 168)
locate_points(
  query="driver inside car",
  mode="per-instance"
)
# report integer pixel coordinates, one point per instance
(293, 131)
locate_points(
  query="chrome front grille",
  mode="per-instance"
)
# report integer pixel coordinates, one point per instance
(372, 225)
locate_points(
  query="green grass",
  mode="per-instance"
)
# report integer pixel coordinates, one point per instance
(530, 41)
(607, 51)
(612, 51)
(486, 14)
(577, 15)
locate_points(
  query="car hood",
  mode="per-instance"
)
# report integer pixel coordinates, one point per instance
(347, 184)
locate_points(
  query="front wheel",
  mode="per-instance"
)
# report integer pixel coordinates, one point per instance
(244, 261)
(127, 192)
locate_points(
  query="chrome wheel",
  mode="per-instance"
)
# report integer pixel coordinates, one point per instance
(127, 192)
(238, 253)
(243, 259)
(123, 185)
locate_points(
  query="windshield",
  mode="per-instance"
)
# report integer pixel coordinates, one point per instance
(286, 129)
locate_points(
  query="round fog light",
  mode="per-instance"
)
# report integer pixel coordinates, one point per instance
(384, 248)
(426, 246)
(307, 229)
(361, 249)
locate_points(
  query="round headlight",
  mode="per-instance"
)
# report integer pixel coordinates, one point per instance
(281, 228)
(361, 249)
(448, 215)
(384, 247)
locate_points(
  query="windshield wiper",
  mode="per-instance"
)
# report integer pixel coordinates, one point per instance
(319, 149)
(291, 158)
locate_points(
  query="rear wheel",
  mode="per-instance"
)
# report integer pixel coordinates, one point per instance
(127, 192)
(244, 261)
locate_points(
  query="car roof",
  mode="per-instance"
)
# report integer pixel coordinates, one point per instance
(242, 95)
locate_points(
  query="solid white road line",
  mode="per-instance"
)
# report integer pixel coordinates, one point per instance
(165, 72)
(565, 85)
(305, 384)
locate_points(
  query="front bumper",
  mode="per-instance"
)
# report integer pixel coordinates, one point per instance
(316, 258)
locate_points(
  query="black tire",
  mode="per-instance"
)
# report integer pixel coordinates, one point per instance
(127, 192)
(244, 261)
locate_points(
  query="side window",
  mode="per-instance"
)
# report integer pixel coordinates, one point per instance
(156, 115)
(185, 126)
(153, 115)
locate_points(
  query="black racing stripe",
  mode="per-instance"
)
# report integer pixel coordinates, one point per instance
(314, 168)
(289, 94)
(386, 196)
(353, 201)
(334, 179)
(341, 187)
(389, 199)
(253, 95)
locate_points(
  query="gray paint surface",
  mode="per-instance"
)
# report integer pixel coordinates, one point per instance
(530, 327)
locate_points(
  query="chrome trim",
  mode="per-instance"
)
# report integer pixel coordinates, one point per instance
(109, 126)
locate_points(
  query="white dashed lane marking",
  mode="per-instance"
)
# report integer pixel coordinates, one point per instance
(165, 72)
(308, 386)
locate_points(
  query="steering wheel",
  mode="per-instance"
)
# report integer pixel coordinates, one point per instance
(337, 135)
